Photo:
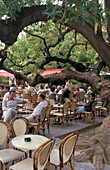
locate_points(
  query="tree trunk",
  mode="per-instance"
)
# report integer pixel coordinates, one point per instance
(99, 150)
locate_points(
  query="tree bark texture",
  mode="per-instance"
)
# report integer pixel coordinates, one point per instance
(99, 151)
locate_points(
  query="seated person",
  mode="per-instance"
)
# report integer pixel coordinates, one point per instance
(89, 91)
(52, 91)
(81, 90)
(9, 105)
(87, 106)
(52, 94)
(33, 118)
(66, 93)
(77, 91)
(60, 93)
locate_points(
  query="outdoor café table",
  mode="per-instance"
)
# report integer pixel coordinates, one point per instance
(36, 140)
(58, 106)
(24, 111)
(80, 103)
(20, 105)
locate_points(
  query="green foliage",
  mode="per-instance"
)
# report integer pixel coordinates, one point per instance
(4, 80)
(10, 7)
(88, 10)
(29, 48)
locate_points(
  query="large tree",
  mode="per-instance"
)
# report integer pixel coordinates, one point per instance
(85, 17)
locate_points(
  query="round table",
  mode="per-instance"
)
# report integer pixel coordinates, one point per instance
(58, 106)
(36, 140)
(25, 111)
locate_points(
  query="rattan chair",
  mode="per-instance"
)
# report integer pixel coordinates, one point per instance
(7, 155)
(60, 98)
(46, 101)
(28, 96)
(47, 117)
(61, 115)
(40, 158)
(51, 102)
(67, 100)
(72, 113)
(81, 96)
(34, 99)
(65, 153)
(91, 113)
(19, 126)
(71, 96)
(52, 96)
(41, 122)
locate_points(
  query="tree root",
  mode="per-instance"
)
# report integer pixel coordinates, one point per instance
(99, 150)
(84, 155)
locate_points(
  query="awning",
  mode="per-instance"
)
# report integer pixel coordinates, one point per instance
(49, 71)
(6, 74)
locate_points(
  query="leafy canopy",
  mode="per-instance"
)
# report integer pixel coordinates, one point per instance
(29, 48)
(89, 10)
(8, 8)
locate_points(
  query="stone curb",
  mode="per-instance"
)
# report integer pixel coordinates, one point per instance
(81, 130)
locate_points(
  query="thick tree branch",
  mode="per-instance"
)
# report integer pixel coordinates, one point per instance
(59, 36)
(28, 15)
(77, 66)
(99, 66)
(3, 57)
(69, 52)
(49, 58)
(96, 40)
(44, 41)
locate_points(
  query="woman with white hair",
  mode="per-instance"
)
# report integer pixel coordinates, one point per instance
(89, 92)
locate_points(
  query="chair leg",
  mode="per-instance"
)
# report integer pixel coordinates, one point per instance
(70, 164)
(38, 129)
(48, 165)
(54, 118)
(75, 119)
(67, 120)
(1, 166)
(44, 128)
(5, 168)
(73, 161)
(48, 122)
(62, 121)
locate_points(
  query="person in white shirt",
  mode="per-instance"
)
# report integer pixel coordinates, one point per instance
(69, 85)
(33, 118)
(82, 90)
(41, 90)
(9, 106)
(59, 93)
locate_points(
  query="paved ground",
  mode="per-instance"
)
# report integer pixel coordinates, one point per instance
(59, 132)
